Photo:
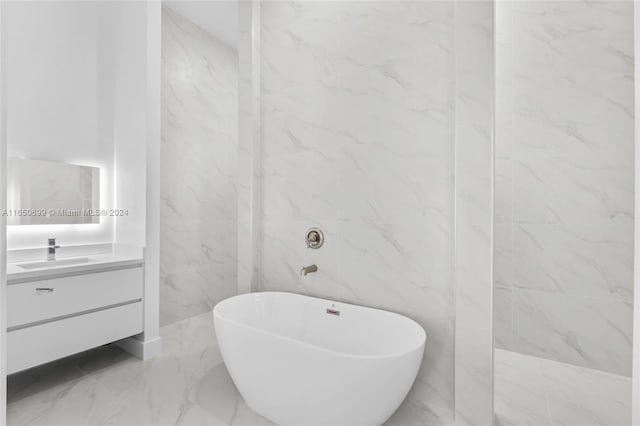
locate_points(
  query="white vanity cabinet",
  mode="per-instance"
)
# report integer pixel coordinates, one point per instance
(62, 312)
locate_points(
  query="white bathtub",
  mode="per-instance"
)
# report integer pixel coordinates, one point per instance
(298, 363)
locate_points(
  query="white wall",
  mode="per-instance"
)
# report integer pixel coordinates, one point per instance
(152, 190)
(123, 65)
(80, 78)
(76, 93)
(3, 223)
(53, 110)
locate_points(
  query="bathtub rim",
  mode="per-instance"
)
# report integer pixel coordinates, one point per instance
(423, 334)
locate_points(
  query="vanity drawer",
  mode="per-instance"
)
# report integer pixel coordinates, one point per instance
(39, 301)
(31, 346)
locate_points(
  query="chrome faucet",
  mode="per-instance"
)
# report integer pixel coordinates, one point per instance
(308, 269)
(51, 254)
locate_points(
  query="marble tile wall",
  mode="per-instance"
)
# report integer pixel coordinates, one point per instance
(564, 181)
(357, 102)
(474, 47)
(198, 162)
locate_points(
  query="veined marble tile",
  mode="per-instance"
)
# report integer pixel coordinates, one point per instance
(77, 402)
(521, 394)
(503, 317)
(564, 117)
(405, 266)
(193, 335)
(41, 379)
(473, 276)
(503, 107)
(299, 170)
(198, 159)
(58, 393)
(357, 113)
(415, 414)
(581, 260)
(590, 332)
(474, 183)
(536, 391)
(248, 146)
(580, 396)
(503, 191)
(474, 376)
(434, 387)
(474, 63)
(187, 384)
(474, 173)
(554, 188)
(285, 252)
(503, 254)
(193, 267)
(394, 184)
(377, 152)
(230, 254)
(217, 398)
(474, 96)
(573, 66)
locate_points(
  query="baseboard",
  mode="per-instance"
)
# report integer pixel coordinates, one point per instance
(141, 349)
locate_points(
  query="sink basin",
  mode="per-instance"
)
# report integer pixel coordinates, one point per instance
(54, 263)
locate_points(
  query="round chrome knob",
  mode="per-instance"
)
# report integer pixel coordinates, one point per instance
(314, 238)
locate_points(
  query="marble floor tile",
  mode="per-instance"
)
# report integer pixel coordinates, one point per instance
(581, 396)
(520, 398)
(412, 413)
(536, 391)
(59, 394)
(187, 384)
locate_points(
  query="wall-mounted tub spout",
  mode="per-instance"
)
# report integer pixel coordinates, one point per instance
(308, 269)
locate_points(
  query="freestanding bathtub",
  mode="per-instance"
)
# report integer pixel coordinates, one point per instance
(303, 361)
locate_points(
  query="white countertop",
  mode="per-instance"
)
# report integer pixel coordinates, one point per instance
(121, 256)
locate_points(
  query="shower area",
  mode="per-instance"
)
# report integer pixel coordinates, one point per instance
(563, 212)
(472, 166)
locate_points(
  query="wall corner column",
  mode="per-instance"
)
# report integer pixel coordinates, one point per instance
(151, 343)
(474, 98)
(249, 148)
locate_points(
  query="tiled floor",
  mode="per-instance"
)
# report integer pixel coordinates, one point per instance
(539, 392)
(187, 385)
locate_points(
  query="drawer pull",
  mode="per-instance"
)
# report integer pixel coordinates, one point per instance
(41, 290)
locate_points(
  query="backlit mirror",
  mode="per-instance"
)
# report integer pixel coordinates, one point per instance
(45, 192)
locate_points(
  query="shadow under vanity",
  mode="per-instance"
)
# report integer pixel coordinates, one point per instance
(64, 299)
